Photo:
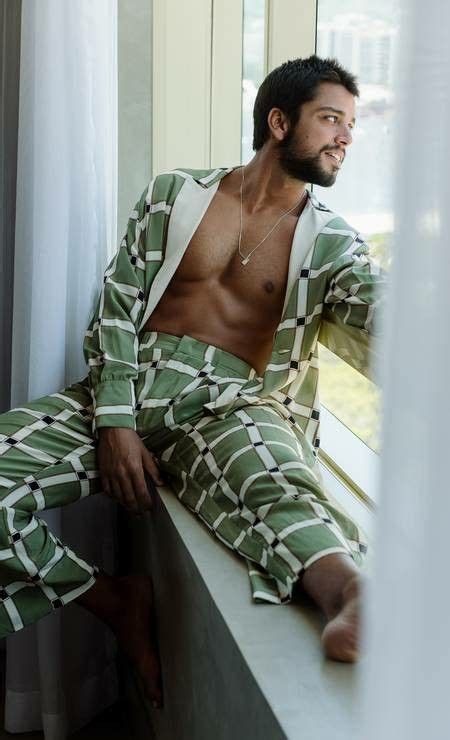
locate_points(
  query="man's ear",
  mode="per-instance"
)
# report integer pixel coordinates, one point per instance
(278, 124)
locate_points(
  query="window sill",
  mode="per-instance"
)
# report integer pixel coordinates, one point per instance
(231, 668)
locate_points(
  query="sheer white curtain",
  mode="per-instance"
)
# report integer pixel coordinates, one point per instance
(62, 671)
(407, 675)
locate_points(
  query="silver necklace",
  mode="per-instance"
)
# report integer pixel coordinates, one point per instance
(246, 259)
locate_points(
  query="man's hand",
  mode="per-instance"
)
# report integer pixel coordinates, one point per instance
(123, 460)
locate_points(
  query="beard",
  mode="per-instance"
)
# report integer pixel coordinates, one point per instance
(307, 168)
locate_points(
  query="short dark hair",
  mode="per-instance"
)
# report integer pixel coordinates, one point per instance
(290, 85)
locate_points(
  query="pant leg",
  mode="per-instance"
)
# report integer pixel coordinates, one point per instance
(246, 474)
(47, 459)
(246, 478)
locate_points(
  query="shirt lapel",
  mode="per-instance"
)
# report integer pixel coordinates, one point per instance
(187, 211)
(309, 225)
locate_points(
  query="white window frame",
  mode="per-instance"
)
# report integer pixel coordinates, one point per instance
(350, 468)
(291, 26)
(181, 84)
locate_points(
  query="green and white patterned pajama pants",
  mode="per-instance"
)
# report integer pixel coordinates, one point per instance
(244, 473)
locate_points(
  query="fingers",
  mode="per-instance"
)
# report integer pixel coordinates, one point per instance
(130, 489)
(121, 490)
(129, 498)
(150, 464)
(106, 487)
(142, 494)
(123, 467)
(116, 491)
(110, 491)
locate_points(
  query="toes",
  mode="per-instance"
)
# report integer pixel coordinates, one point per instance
(340, 640)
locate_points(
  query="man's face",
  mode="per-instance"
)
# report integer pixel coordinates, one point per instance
(323, 130)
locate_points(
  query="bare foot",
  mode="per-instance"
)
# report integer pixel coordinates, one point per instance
(135, 632)
(340, 637)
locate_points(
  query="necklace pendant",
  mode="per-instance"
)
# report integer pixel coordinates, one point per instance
(245, 261)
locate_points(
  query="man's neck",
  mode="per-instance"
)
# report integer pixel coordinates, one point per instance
(268, 186)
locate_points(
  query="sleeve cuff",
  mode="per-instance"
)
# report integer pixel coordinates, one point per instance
(114, 405)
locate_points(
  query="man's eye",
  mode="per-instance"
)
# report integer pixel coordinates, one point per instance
(334, 117)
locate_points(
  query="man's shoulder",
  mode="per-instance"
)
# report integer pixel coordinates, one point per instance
(164, 188)
(203, 177)
(333, 223)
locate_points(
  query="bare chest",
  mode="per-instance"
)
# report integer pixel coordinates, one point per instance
(212, 255)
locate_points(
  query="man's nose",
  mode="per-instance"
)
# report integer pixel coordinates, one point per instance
(345, 136)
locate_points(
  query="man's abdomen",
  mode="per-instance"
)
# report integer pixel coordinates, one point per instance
(212, 314)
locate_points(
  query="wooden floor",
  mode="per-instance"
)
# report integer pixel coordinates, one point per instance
(111, 725)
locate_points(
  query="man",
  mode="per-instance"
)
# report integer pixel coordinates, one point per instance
(203, 364)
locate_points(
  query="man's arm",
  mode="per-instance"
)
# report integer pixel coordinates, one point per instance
(111, 343)
(111, 351)
(355, 287)
(353, 303)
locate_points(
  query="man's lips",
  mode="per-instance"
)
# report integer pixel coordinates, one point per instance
(336, 157)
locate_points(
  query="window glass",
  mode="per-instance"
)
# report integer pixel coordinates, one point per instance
(362, 36)
(351, 397)
(253, 71)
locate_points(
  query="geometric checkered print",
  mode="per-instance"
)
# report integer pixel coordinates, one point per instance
(247, 474)
(47, 459)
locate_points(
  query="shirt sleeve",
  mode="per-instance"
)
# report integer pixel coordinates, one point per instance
(352, 318)
(356, 288)
(111, 341)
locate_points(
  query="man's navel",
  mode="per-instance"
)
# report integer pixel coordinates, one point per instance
(269, 286)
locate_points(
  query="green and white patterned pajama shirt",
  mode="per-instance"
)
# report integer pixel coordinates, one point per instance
(239, 450)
